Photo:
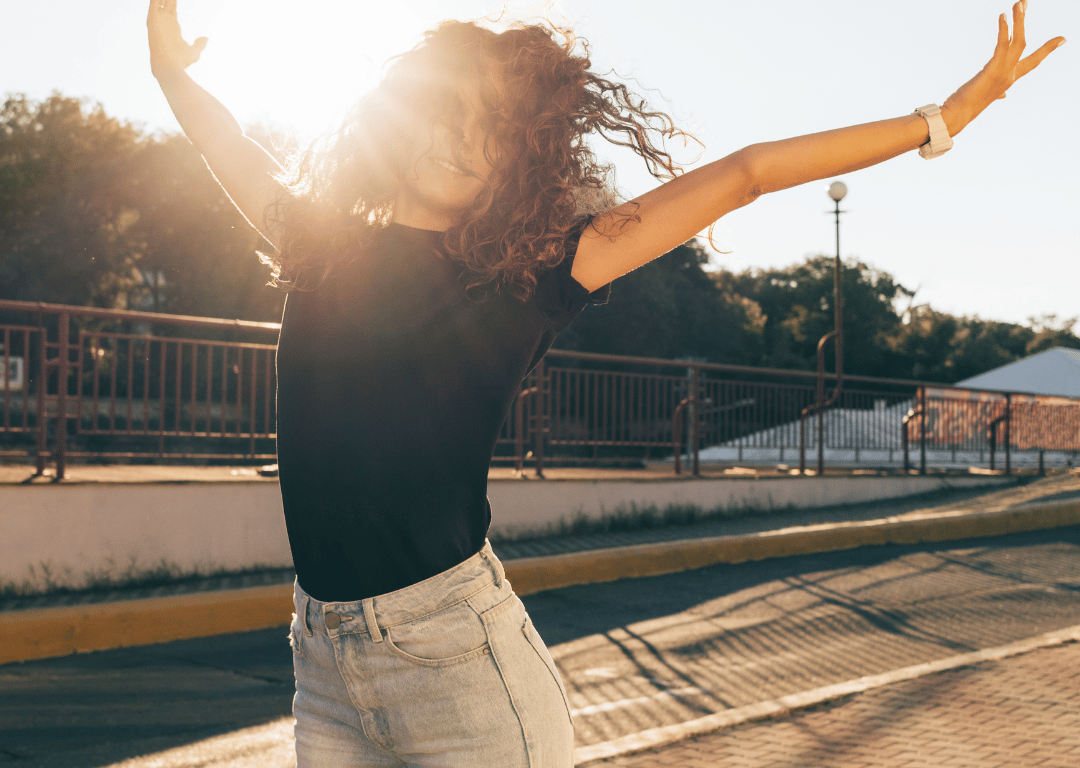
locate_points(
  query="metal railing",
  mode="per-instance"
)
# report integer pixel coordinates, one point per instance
(114, 384)
(98, 384)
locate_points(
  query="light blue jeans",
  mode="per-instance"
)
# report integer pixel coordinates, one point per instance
(446, 673)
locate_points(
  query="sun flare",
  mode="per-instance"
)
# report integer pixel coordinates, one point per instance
(292, 66)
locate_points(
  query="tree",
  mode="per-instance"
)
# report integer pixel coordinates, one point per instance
(65, 213)
(192, 251)
(942, 347)
(1050, 331)
(95, 212)
(669, 308)
(796, 303)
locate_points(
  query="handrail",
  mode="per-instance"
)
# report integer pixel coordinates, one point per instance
(599, 406)
(819, 405)
(600, 357)
(40, 307)
(904, 440)
(519, 423)
(603, 357)
(677, 430)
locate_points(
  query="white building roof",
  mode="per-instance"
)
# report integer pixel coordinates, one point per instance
(1052, 372)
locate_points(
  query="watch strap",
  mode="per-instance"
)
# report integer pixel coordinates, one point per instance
(940, 141)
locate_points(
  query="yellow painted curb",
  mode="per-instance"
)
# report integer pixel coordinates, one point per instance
(48, 632)
(536, 574)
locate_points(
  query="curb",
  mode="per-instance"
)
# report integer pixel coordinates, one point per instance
(50, 632)
(763, 710)
(536, 574)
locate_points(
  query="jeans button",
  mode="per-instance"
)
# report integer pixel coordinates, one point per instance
(333, 621)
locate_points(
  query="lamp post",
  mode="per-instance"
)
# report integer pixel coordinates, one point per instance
(837, 191)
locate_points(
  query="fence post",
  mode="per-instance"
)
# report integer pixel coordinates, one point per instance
(519, 433)
(904, 444)
(802, 442)
(676, 437)
(695, 427)
(540, 434)
(62, 362)
(1008, 421)
(821, 443)
(993, 442)
(922, 430)
(42, 385)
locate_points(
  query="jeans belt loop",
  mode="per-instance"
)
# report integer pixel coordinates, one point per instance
(304, 609)
(496, 567)
(369, 617)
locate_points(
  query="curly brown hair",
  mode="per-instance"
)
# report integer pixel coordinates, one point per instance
(540, 102)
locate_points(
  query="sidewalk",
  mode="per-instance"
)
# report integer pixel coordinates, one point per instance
(1020, 711)
(716, 647)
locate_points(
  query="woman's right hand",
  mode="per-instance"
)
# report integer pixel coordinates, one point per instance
(1007, 65)
(168, 49)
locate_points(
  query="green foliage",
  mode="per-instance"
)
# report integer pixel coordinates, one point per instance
(936, 346)
(669, 308)
(797, 304)
(674, 308)
(95, 212)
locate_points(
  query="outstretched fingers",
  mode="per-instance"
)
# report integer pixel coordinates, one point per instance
(1002, 47)
(1005, 67)
(1019, 40)
(1021, 66)
(1029, 63)
(1008, 62)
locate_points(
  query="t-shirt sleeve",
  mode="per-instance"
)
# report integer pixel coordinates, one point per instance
(559, 297)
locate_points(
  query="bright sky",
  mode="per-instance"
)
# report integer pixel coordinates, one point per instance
(992, 228)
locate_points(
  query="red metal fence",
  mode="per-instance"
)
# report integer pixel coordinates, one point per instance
(98, 384)
(111, 384)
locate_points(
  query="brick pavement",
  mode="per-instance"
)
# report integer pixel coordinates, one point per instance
(1017, 712)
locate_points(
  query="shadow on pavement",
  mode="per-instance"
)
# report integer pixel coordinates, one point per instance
(97, 709)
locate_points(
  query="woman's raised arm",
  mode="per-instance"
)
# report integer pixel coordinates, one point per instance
(676, 211)
(246, 171)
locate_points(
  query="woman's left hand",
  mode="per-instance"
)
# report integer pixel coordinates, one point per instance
(1004, 68)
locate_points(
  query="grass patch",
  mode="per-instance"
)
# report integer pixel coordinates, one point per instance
(45, 579)
(634, 517)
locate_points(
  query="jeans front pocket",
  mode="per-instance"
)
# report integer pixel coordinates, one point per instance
(451, 636)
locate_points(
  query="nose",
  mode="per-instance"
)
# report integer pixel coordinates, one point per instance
(466, 133)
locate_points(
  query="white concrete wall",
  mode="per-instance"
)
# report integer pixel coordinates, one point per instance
(524, 507)
(74, 535)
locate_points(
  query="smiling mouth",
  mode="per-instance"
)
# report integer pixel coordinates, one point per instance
(449, 166)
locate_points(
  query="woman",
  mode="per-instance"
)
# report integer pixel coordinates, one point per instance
(433, 247)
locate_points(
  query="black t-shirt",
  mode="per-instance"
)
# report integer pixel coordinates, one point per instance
(392, 389)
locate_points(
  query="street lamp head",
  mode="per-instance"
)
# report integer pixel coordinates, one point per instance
(837, 190)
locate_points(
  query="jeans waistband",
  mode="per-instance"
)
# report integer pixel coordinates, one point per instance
(415, 601)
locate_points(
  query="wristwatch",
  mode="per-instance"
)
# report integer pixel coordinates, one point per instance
(940, 141)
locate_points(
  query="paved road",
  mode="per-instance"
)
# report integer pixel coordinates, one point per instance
(1014, 713)
(635, 654)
